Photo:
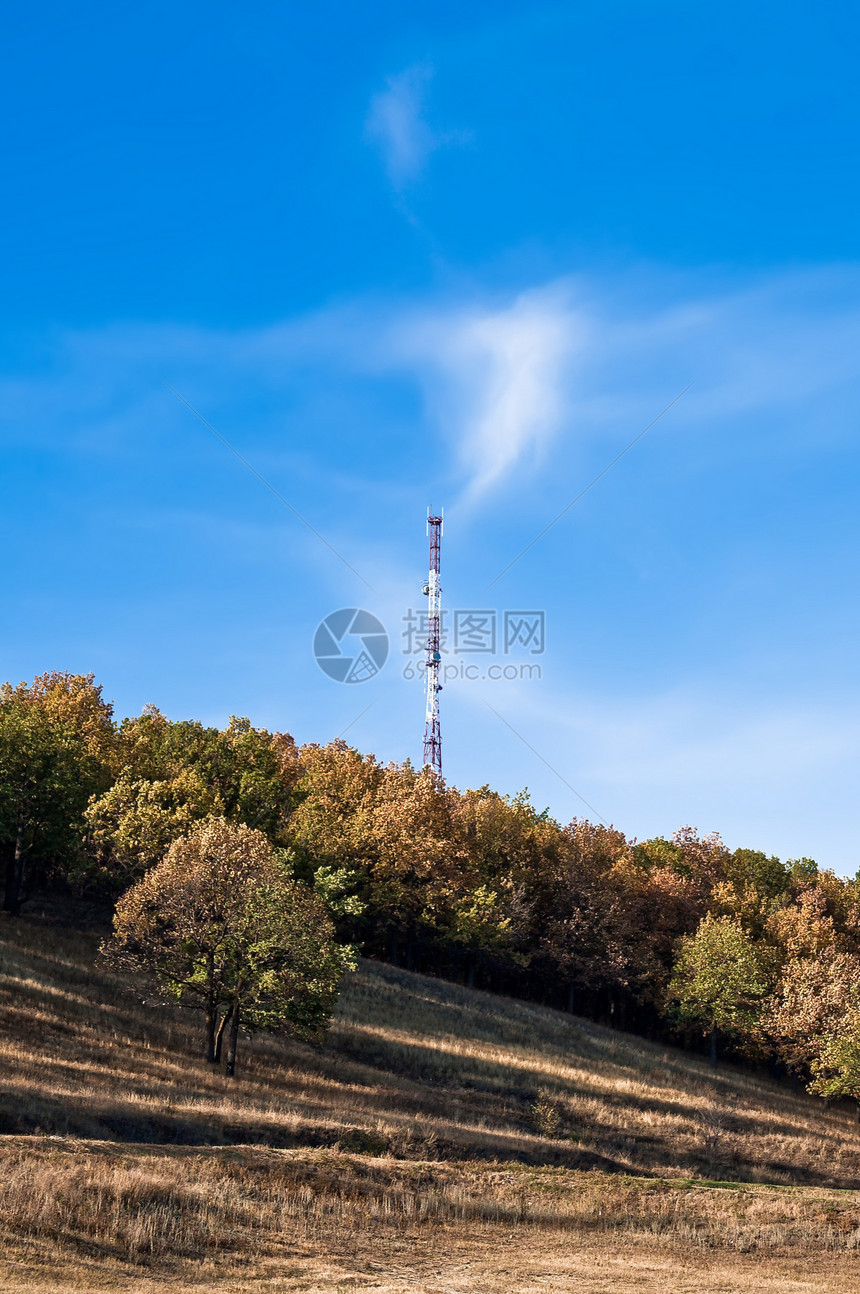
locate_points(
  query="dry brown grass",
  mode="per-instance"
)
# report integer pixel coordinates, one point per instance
(442, 1137)
(100, 1215)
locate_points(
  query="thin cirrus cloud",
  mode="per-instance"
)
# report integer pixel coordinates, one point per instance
(769, 772)
(496, 379)
(549, 369)
(397, 125)
(506, 382)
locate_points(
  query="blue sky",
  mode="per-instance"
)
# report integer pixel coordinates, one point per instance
(459, 255)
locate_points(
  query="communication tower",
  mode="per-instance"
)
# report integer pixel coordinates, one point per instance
(433, 593)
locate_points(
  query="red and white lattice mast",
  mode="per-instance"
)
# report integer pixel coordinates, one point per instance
(433, 591)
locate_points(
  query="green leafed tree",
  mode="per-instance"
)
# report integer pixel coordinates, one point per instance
(719, 981)
(222, 926)
(252, 771)
(169, 775)
(131, 827)
(836, 1068)
(55, 745)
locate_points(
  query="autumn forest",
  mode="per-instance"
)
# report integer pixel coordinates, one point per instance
(314, 854)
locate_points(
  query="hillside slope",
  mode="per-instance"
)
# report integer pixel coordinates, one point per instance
(415, 1066)
(430, 1105)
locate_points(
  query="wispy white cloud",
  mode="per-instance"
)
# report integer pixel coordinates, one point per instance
(396, 123)
(781, 343)
(504, 381)
(497, 378)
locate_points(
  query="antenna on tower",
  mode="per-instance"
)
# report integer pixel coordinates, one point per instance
(433, 592)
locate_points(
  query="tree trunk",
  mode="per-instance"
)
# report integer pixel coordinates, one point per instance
(211, 1009)
(713, 1046)
(571, 997)
(219, 1036)
(230, 1067)
(15, 869)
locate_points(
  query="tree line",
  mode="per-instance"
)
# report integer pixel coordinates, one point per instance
(246, 869)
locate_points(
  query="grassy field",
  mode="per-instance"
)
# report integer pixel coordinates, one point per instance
(442, 1139)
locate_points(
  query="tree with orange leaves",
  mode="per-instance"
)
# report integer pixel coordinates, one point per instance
(221, 925)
